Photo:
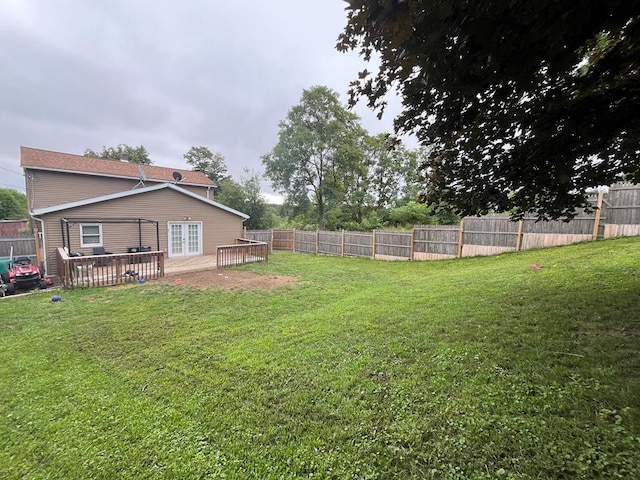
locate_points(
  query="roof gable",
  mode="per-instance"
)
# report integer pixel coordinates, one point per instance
(138, 191)
(66, 162)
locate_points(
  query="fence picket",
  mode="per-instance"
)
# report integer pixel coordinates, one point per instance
(615, 213)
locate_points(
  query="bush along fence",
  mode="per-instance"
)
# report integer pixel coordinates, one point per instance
(617, 214)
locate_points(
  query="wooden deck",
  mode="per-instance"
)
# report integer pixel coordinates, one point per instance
(189, 264)
(115, 269)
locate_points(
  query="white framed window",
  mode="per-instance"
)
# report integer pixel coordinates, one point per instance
(91, 235)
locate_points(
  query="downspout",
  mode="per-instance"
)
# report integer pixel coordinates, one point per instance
(158, 235)
(43, 241)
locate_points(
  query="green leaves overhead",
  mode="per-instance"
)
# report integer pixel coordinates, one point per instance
(524, 105)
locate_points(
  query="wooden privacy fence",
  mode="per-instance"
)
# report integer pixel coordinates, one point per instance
(622, 210)
(244, 251)
(103, 270)
(22, 247)
(617, 213)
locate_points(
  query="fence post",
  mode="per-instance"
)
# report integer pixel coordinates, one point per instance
(413, 237)
(373, 244)
(271, 242)
(293, 243)
(596, 223)
(460, 239)
(519, 237)
(342, 244)
(67, 273)
(317, 239)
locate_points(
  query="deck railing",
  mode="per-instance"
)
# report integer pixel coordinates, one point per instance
(244, 251)
(113, 269)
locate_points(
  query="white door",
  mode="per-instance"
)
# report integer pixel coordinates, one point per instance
(185, 239)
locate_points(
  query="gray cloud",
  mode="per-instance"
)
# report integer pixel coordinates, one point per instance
(164, 74)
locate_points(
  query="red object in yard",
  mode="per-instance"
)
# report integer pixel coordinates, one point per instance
(24, 275)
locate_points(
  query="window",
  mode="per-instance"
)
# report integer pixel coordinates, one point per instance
(91, 235)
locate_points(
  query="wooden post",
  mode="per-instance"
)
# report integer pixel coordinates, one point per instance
(293, 243)
(413, 237)
(596, 223)
(373, 245)
(161, 264)
(271, 242)
(460, 239)
(519, 238)
(342, 244)
(244, 231)
(66, 273)
(39, 249)
(119, 278)
(317, 240)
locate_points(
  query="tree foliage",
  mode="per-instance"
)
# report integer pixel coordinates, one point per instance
(13, 204)
(246, 197)
(524, 105)
(204, 160)
(316, 148)
(335, 175)
(392, 174)
(135, 154)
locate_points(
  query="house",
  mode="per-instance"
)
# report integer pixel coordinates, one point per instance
(81, 203)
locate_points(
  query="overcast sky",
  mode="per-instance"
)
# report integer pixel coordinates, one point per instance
(168, 75)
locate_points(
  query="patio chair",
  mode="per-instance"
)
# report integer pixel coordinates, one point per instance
(102, 261)
(101, 251)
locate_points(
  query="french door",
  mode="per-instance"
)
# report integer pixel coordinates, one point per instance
(185, 239)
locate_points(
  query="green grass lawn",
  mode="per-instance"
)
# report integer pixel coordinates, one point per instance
(467, 369)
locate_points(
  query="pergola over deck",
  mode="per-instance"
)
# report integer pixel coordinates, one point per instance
(66, 222)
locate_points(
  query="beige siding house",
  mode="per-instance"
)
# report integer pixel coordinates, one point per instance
(82, 203)
(53, 178)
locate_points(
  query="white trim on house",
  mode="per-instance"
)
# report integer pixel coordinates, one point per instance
(110, 175)
(138, 191)
(186, 249)
(83, 235)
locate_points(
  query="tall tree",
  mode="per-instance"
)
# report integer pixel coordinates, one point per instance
(134, 154)
(526, 105)
(393, 170)
(315, 147)
(204, 160)
(246, 197)
(382, 175)
(13, 204)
